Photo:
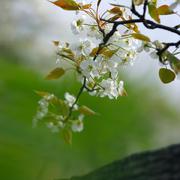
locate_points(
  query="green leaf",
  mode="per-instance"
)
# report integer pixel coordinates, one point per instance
(67, 135)
(86, 110)
(55, 74)
(67, 4)
(141, 37)
(164, 10)
(153, 12)
(166, 75)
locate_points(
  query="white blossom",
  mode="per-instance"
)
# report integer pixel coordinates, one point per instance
(77, 125)
(154, 55)
(178, 76)
(94, 32)
(54, 128)
(78, 25)
(70, 100)
(89, 69)
(121, 88)
(109, 88)
(83, 47)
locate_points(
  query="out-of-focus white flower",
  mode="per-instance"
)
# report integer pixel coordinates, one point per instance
(49, 97)
(121, 88)
(158, 44)
(70, 100)
(116, 38)
(174, 5)
(112, 65)
(144, 46)
(78, 25)
(88, 68)
(84, 47)
(43, 109)
(94, 32)
(128, 57)
(154, 55)
(54, 128)
(77, 125)
(109, 88)
(58, 61)
(178, 76)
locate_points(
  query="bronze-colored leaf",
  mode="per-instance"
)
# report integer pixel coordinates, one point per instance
(141, 37)
(115, 10)
(108, 53)
(164, 10)
(86, 6)
(56, 43)
(86, 110)
(55, 74)
(67, 4)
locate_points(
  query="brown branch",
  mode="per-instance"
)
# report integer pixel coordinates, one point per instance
(77, 98)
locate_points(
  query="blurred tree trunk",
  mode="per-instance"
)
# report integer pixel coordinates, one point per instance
(163, 164)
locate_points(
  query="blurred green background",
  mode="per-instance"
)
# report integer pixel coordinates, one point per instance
(148, 118)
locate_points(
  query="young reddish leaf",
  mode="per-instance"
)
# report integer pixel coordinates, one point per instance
(165, 10)
(166, 75)
(55, 74)
(67, 4)
(141, 37)
(153, 12)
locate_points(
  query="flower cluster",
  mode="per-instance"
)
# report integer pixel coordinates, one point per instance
(107, 41)
(99, 65)
(151, 48)
(55, 111)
